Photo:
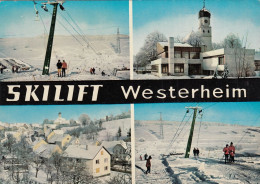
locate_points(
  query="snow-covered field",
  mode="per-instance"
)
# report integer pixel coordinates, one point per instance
(111, 128)
(209, 167)
(100, 54)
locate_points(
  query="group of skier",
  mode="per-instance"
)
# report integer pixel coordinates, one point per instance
(2, 67)
(229, 152)
(148, 162)
(62, 67)
(92, 71)
(196, 152)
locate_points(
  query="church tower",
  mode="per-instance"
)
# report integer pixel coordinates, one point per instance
(205, 29)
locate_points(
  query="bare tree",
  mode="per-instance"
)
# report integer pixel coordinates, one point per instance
(195, 39)
(149, 50)
(84, 119)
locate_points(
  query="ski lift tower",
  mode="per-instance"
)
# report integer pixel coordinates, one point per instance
(187, 154)
(118, 41)
(47, 60)
(161, 127)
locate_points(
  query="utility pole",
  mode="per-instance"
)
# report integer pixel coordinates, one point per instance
(118, 41)
(47, 60)
(161, 127)
(187, 154)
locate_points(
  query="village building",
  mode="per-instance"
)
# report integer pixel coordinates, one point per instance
(118, 150)
(61, 121)
(95, 158)
(183, 59)
(45, 151)
(62, 140)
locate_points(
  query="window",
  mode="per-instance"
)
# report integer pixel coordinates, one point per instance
(177, 54)
(97, 170)
(106, 160)
(102, 152)
(179, 68)
(106, 168)
(185, 55)
(221, 60)
(208, 31)
(203, 31)
(97, 161)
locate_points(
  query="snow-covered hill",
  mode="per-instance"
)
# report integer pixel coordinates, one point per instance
(100, 54)
(111, 128)
(209, 167)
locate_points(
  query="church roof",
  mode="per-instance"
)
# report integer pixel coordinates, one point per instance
(204, 13)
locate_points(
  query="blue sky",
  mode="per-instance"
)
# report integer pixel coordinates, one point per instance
(242, 113)
(37, 113)
(94, 17)
(180, 17)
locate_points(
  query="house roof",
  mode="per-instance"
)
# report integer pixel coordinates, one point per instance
(57, 138)
(80, 151)
(109, 145)
(176, 44)
(46, 150)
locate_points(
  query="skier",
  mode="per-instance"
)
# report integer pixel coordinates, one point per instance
(145, 156)
(103, 73)
(59, 66)
(232, 149)
(141, 157)
(148, 165)
(1, 68)
(198, 151)
(226, 153)
(232, 155)
(64, 68)
(13, 68)
(16, 69)
(93, 70)
(194, 152)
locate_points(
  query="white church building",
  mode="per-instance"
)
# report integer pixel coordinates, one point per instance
(183, 59)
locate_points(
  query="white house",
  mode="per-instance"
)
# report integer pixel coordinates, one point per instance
(96, 158)
(182, 59)
(118, 150)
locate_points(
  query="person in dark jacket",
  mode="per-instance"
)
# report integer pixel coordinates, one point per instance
(145, 156)
(148, 165)
(93, 70)
(59, 66)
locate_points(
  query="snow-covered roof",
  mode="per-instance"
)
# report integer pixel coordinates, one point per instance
(109, 145)
(257, 55)
(57, 138)
(80, 151)
(46, 150)
(176, 44)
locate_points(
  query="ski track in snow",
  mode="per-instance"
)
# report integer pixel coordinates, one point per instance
(209, 167)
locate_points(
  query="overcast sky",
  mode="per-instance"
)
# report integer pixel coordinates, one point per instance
(242, 113)
(93, 17)
(180, 17)
(37, 113)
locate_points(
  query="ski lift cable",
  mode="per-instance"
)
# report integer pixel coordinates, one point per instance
(179, 126)
(87, 41)
(68, 31)
(173, 140)
(83, 38)
(199, 130)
